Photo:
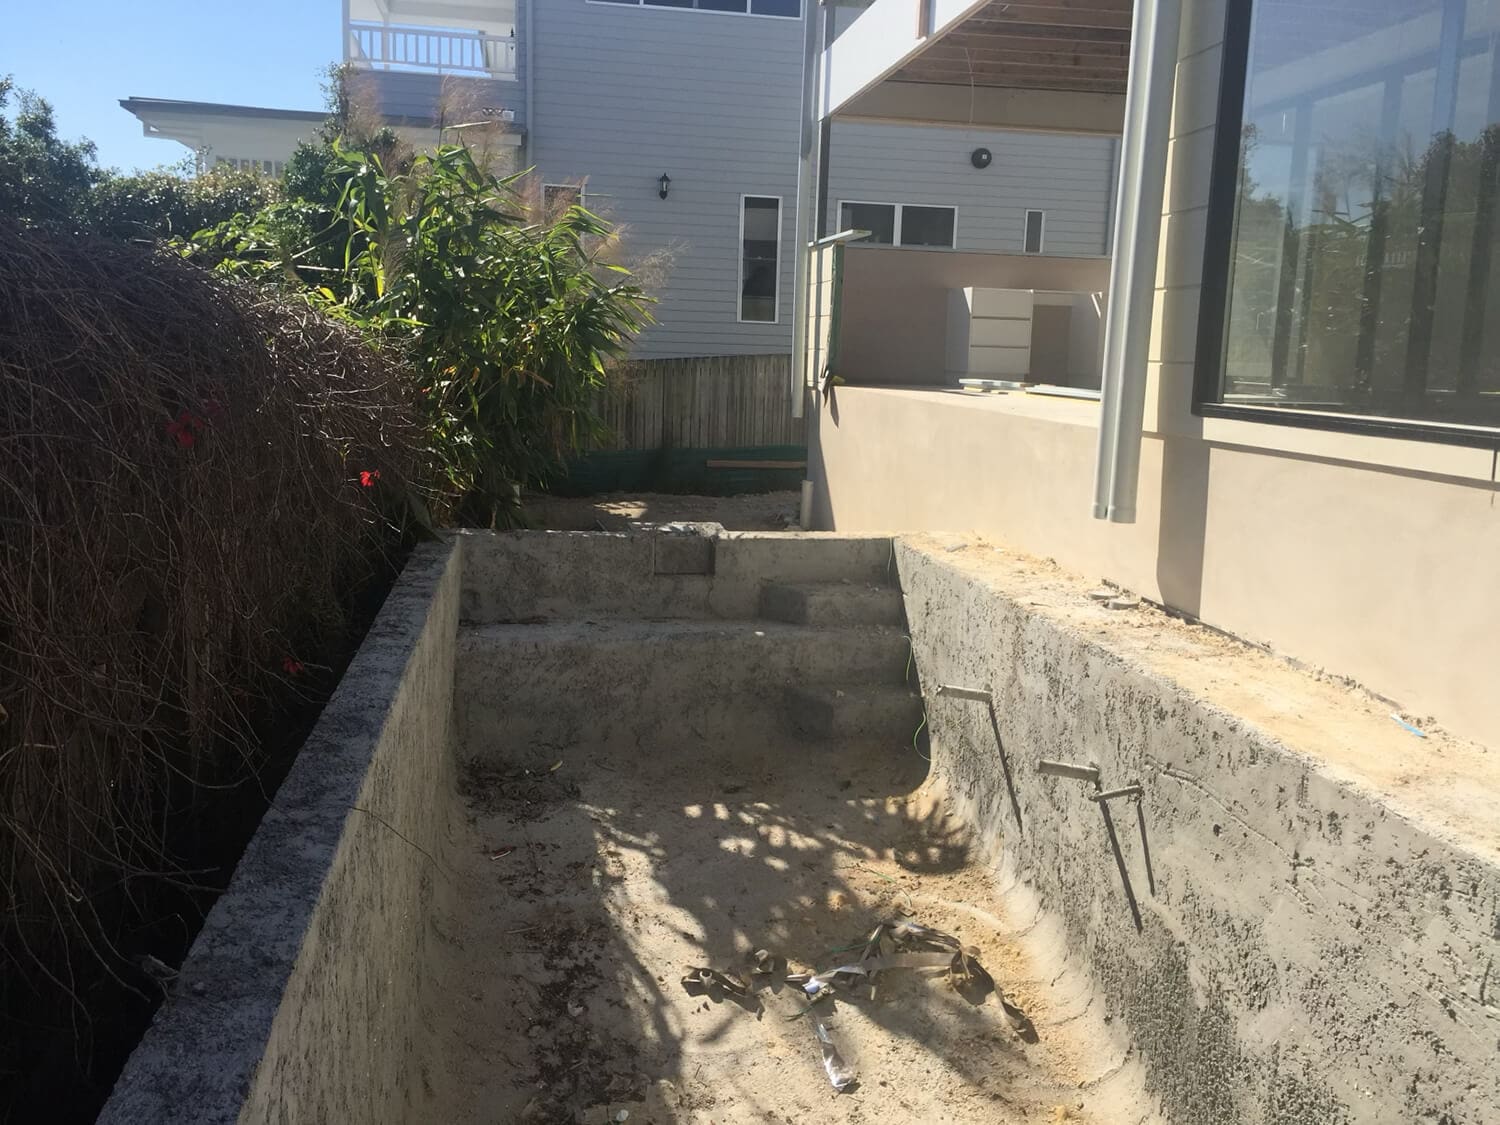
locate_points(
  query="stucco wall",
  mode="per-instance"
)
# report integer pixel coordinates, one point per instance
(1313, 544)
(893, 313)
(1318, 949)
(1358, 554)
(297, 1000)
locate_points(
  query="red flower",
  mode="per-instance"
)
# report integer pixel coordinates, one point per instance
(181, 428)
(368, 477)
(292, 667)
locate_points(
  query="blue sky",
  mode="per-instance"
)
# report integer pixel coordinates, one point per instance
(85, 55)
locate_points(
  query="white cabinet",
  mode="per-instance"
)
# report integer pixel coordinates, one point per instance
(989, 333)
(1025, 336)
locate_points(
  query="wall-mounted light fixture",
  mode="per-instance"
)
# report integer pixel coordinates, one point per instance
(664, 185)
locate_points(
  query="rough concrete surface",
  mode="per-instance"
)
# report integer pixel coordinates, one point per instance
(613, 879)
(1321, 944)
(539, 576)
(511, 834)
(295, 1003)
(622, 686)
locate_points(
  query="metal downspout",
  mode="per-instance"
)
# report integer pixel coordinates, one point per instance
(803, 237)
(530, 63)
(1156, 25)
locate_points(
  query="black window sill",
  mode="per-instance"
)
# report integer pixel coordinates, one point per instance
(1351, 424)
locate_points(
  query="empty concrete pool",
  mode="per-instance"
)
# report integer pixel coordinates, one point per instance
(720, 757)
(568, 771)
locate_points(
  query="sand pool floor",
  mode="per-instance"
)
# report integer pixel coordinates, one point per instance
(587, 891)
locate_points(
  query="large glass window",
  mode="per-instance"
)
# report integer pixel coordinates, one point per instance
(1361, 275)
(900, 224)
(926, 226)
(877, 218)
(760, 261)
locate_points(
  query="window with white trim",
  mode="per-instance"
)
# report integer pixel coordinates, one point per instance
(900, 224)
(788, 9)
(1036, 227)
(760, 258)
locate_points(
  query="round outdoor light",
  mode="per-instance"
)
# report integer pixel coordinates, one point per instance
(981, 157)
(664, 184)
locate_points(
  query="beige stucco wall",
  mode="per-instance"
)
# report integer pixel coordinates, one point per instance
(893, 321)
(1371, 557)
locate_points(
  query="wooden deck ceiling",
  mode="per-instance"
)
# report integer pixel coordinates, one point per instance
(1075, 45)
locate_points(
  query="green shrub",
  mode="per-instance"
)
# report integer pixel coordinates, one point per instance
(163, 204)
(47, 180)
(43, 179)
(200, 480)
(511, 326)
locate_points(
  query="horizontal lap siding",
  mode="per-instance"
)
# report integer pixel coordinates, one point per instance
(1069, 177)
(409, 94)
(624, 94)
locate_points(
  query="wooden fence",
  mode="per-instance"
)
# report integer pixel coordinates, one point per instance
(705, 402)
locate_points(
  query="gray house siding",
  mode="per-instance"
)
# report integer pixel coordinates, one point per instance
(624, 94)
(418, 97)
(1068, 177)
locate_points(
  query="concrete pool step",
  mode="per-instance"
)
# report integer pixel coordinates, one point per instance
(873, 713)
(653, 574)
(832, 603)
(616, 684)
(759, 557)
(727, 653)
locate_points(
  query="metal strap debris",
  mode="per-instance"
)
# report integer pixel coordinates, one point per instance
(901, 944)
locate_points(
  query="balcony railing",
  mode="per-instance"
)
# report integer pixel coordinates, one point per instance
(392, 47)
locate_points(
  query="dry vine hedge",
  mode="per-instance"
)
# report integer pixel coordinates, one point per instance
(194, 476)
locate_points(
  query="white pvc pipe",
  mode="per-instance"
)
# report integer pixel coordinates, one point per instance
(1155, 28)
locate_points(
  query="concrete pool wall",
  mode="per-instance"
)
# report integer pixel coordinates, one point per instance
(1321, 943)
(295, 1003)
(1318, 948)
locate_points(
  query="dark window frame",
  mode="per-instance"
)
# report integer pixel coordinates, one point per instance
(1041, 231)
(1213, 306)
(898, 211)
(739, 309)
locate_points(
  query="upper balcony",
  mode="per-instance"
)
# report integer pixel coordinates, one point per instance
(471, 37)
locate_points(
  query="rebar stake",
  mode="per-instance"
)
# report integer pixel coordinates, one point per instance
(1090, 775)
(1138, 791)
(980, 695)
